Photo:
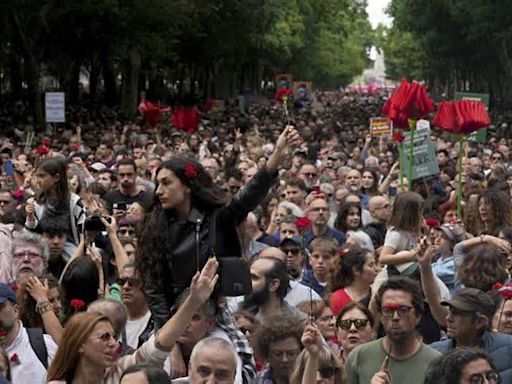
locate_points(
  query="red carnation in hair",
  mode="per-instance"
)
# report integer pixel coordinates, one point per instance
(190, 171)
(432, 222)
(77, 304)
(496, 286)
(342, 252)
(303, 222)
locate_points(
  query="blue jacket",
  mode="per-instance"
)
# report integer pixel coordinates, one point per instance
(309, 280)
(330, 233)
(497, 345)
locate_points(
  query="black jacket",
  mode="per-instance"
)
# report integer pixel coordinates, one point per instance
(377, 233)
(181, 264)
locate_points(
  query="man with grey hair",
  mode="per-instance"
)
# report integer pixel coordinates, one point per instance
(213, 320)
(213, 359)
(29, 255)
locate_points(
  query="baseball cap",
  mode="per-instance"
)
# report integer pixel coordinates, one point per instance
(453, 232)
(98, 166)
(6, 293)
(299, 152)
(294, 239)
(472, 300)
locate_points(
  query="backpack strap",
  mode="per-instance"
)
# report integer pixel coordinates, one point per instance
(36, 338)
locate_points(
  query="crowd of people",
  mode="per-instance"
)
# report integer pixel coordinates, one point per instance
(123, 247)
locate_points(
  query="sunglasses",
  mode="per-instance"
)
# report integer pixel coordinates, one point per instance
(326, 372)
(246, 331)
(293, 251)
(4, 202)
(106, 337)
(358, 323)
(496, 157)
(402, 310)
(132, 282)
(126, 232)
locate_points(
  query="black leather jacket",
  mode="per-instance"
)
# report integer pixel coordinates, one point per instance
(181, 263)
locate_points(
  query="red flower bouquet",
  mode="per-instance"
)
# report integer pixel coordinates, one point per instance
(398, 137)
(151, 112)
(186, 119)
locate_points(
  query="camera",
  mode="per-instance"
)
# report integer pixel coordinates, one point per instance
(94, 223)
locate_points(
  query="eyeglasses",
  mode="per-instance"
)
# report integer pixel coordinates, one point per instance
(319, 209)
(246, 331)
(309, 174)
(126, 232)
(132, 282)
(293, 251)
(326, 372)
(105, 337)
(21, 255)
(385, 206)
(478, 378)
(280, 354)
(402, 310)
(496, 157)
(347, 324)
(2, 202)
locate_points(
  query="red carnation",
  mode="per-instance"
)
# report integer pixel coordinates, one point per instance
(46, 142)
(14, 359)
(14, 287)
(281, 93)
(42, 150)
(77, 304)
(398, 137)
(19, 194)
(342, 252)
(496, 286)
(432, 222)
(506, 294)
(302, 223)
(461, 116)
(3, 333)
(409, 101)
(190, 171)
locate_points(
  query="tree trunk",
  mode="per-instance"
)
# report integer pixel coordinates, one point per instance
(15, 78)
(130, 85)
(109, 81)
(93, 78)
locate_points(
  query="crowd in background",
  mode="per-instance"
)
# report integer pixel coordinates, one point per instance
(355, 278)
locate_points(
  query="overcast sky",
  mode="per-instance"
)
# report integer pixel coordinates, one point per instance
(376, 13)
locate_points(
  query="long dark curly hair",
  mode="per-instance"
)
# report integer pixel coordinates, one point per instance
(490, 264)
(501, 211)
(154, 242)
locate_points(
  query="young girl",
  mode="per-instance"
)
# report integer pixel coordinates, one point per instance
(54, 200)
(404, 232)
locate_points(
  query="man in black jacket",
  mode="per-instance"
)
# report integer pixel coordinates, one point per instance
(380, 209)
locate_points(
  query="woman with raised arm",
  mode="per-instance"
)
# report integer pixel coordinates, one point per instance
(174, 242)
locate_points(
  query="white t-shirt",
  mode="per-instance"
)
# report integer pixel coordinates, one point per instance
(30, 369)
(134, 329)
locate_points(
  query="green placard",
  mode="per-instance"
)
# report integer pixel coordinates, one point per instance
(425, 161)
(480, 135)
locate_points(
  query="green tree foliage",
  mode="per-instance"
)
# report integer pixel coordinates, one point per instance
(207, 47)
(465, 44)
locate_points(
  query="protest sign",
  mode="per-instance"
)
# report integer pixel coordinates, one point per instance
(381, 126)
(55, 107)
(480, 135)
(425, 162)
